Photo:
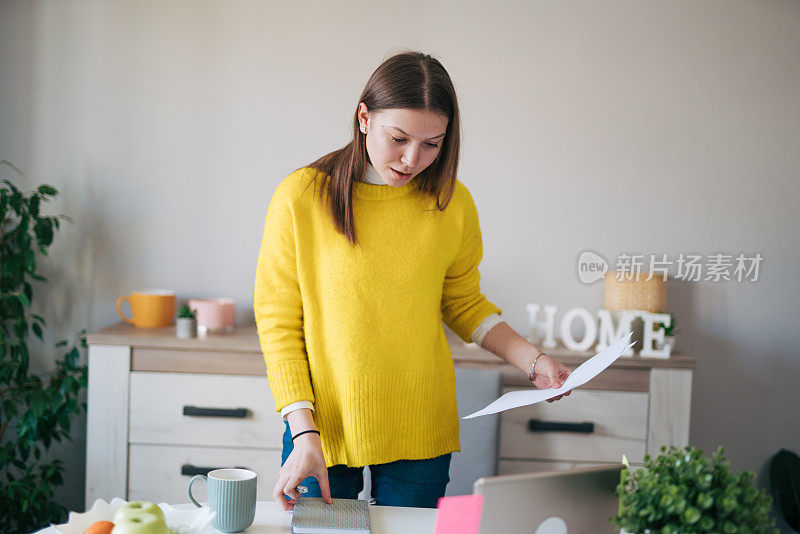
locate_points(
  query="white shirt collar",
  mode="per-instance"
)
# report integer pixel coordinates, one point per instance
(372, 176)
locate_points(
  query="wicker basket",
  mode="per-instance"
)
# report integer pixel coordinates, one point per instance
(635, 294)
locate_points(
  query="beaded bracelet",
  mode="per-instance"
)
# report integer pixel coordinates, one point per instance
(305, 432)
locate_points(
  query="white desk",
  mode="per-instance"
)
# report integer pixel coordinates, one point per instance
(383, 520)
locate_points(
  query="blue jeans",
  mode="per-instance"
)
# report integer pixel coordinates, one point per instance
(417, 483)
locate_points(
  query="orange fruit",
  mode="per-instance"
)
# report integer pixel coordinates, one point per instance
(100, 527)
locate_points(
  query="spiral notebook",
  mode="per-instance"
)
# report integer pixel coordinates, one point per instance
(345, 516)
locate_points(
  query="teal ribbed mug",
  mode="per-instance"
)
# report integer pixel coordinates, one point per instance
(231, 493)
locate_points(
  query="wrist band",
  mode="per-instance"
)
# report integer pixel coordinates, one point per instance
(306, 432)
(531, 374)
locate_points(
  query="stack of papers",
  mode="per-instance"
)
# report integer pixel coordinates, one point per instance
(585, 372)
(312, 515)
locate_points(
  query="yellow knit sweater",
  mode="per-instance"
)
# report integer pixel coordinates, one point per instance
(358, 331)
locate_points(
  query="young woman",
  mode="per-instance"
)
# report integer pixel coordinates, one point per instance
(365, 253)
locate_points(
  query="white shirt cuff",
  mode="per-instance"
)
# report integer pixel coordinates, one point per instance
(296, 406)
(487, 324)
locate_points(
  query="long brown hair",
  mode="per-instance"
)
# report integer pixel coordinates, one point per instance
(409, 80)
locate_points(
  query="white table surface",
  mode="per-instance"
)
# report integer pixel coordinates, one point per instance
(383, 520)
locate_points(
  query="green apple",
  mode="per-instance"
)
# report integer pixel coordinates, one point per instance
(141, 523)
(137, 507)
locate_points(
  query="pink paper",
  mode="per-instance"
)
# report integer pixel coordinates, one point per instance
(460, 514)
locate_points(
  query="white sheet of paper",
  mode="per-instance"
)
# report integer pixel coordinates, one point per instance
(585, 372)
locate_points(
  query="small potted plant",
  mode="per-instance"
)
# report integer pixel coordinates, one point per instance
(681, 491)
(669, 333)
(186, 324)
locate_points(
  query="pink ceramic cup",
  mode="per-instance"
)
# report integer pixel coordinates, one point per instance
(214, 314)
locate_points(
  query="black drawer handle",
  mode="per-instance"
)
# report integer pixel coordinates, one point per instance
(192, 470)
(535, 425)
(239, 413)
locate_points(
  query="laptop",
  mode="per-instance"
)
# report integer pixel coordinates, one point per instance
(551, 502)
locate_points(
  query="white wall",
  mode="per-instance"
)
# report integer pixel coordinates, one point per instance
(618, 126)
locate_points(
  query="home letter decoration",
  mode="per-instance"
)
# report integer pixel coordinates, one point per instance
(590, 334)
(609, 334)
(548, 325)
(650, 335)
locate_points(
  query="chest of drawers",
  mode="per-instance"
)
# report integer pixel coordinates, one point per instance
(634, 407)
(161, 410)
(182, 424)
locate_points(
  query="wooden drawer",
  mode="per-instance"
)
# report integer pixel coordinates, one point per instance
(155, 470)
(157, 402)
(620, 427)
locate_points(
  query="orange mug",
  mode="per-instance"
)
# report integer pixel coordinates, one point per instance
(151, 308)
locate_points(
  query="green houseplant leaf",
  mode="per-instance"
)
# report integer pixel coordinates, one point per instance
(784, 474)
(186, 312)
(682, 491)
(35, 411)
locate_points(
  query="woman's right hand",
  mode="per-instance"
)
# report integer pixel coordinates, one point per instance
(306, 459)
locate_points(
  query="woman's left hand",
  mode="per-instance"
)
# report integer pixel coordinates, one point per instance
(550, 374)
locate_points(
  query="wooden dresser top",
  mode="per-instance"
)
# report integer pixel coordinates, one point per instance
(244, 339)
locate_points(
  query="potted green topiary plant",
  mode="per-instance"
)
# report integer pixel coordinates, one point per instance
(186, 323)
(35, 409)
(681, 491)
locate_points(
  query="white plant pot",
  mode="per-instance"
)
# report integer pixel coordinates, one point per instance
(668, 340)
(185, 327)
